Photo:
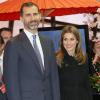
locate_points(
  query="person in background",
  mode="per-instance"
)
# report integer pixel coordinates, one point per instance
(96, 57)
(5, 36)
(6, 33)
(73, 66)
(97, 19)
(29, 75)
(2, 86)
(96, 47)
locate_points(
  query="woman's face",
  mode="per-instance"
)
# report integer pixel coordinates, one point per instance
(70, 42)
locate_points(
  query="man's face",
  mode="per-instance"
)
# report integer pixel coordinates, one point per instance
(97, 48)
(31, 18)
(6, 35)
(98, 35)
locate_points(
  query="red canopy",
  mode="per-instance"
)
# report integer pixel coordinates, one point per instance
(9, 10)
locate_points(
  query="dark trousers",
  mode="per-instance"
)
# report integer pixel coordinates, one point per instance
(3, 96)
(96, 97)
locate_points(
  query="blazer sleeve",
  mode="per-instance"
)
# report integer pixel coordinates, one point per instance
(54, 75)
(11, 71)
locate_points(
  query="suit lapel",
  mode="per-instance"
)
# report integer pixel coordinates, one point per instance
(29, 49)
(45, 53)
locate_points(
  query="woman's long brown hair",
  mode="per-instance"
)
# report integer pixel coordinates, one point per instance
(79, 55)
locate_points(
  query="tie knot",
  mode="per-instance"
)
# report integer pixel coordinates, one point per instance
(34, 37)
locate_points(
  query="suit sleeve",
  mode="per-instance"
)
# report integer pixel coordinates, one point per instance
(11, 75)
(54, 76)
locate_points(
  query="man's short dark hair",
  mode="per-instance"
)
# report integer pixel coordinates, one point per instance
(27, 4)
(5, 29)
(1, 40)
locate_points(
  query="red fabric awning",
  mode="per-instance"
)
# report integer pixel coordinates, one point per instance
(9, 10)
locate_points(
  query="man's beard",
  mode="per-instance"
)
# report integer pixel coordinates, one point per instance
(33, 25)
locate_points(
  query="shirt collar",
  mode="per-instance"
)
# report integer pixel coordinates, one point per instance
(1, 56)
(29, 34)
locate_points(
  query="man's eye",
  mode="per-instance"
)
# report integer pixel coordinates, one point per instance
(27, 14)
(35, 14)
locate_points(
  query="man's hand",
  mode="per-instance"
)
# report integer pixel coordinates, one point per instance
(3, 88)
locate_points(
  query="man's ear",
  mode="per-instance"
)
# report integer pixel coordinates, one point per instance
(21, 19)
(40, 16)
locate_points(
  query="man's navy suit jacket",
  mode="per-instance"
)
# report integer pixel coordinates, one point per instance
(22, 73)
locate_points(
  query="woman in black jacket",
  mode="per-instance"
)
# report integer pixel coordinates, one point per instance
(73, 67)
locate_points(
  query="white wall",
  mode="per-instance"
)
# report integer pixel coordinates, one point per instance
(75, 19)
(4, 24)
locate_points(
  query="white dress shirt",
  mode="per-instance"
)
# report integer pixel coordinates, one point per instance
(30, 37)
(1, 62)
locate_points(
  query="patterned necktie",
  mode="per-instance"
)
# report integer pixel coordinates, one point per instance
(36, 49)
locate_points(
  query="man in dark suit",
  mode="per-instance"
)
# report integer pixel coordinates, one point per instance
(26, 78)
